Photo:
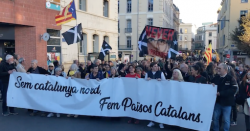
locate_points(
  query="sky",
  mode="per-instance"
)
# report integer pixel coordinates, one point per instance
(198, 11)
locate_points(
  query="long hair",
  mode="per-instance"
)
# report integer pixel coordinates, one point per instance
(179, 74)
(244, 79)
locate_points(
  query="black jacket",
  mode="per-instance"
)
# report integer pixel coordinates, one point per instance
(83, 72)
(157, 75)
(200, 79)
(41, 70)
(185, 76)
(227, 87)
(4, 68)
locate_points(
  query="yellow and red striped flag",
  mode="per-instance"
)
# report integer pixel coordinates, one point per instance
(66, 15)
(208, 53)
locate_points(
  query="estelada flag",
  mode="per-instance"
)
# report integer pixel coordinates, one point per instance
(67, 14)
(208, 53)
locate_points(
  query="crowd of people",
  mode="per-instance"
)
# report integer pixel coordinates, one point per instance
(232, 80)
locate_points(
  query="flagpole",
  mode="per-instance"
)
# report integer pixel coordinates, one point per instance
(80, 41)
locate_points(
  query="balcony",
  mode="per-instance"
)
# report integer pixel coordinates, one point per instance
(128, 30)
(125, 47)
(198, 46)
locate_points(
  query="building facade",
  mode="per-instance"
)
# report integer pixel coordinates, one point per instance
(176, 15)
(99, 22)
(134, 15)
(205, 35)
(22, 22)
(185, 37)
(228, 16)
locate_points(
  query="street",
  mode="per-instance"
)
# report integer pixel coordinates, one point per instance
(25, 122)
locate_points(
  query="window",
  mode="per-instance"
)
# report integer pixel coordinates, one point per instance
(224, 40)
(54, 37)
(118, 26)
(105, 8)
(185, 31)
(128, 42)
(129, 6)
(118, 5)
(210, 34)
(83, 45)
(96, 43)
(181, 30)
(128, 23)
(243, 13)
(150, 21)
(218, 30)
(223, 23)
(150, 5)
(180, 37)
(185, 38)
(82, 5)
(244, 1)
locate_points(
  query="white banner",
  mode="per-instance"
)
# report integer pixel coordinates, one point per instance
(183, 104)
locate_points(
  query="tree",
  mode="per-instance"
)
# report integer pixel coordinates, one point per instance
(240, 34)
(246, 29)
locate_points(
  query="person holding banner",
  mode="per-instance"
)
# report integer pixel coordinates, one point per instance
(132, 74)
(158, 75)
(6, 68)
(196, 76)
(35, 69)
(58, 72)
(226, 88)
(95, 74)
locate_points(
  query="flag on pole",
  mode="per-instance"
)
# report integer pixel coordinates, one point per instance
(104, 50)
(73, 35)
(142, 44)
(208, 53)
(217, 55)
(67, 14)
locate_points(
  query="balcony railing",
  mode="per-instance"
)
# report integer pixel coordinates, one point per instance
(125, 47)
(128, 30)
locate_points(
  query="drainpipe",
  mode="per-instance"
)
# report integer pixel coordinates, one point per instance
(137, 29)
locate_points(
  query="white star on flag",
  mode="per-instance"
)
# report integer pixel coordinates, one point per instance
(175, 42)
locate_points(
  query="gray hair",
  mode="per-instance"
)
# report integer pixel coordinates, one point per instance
(224, 66)
(58, 69)
(139, 68)
(116, 72)
(34, 61)
(74, 67)
(97, 60)
(21, 60)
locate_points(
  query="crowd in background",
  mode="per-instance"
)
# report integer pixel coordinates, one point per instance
(232, 80)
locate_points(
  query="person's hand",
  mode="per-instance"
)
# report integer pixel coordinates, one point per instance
(56, 75)
(213, 84)
(168, 79)
(113, 77)
(136, 77)
(148, 78)
(97, 79)
(67, 77)
(87, 78)
(14, 70)
(180, 81)
(28, 72)
(159, 79)
(218, 93)
(46, 74)
(10, 71)
(119, 76)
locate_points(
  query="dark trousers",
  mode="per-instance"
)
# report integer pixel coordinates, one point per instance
(247, 121)
(1, 89)
(234, 113)
(4, 96)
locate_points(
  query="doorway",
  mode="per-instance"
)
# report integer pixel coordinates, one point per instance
(7, 47)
